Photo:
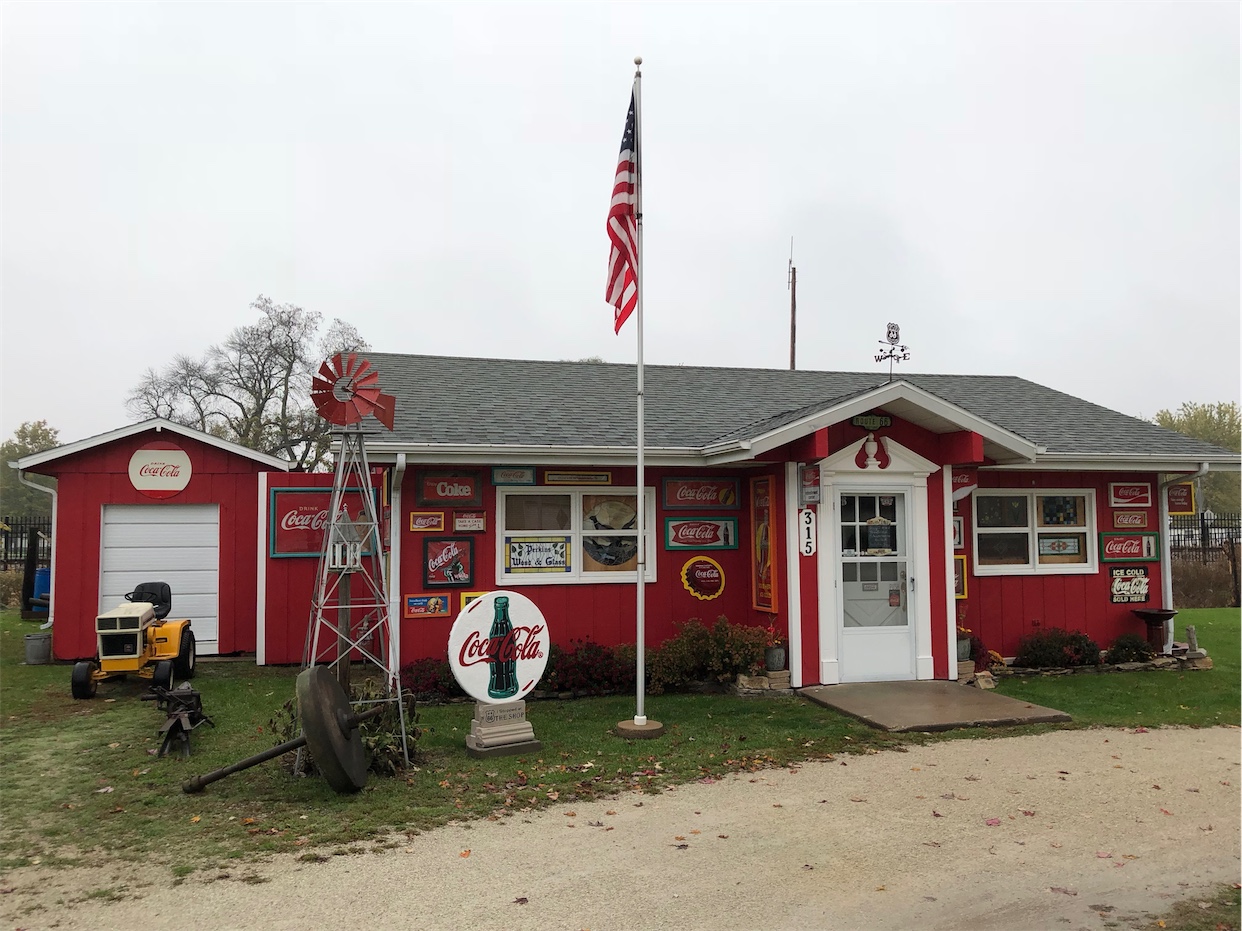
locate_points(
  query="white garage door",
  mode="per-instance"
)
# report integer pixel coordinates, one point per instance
(174, 543)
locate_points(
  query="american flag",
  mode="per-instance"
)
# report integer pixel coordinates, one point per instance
(623, 228)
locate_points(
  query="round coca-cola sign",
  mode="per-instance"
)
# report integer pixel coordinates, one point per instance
(160, 470)
(498, 647)
(703, 578)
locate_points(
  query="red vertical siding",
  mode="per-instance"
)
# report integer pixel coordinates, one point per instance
(937, 560)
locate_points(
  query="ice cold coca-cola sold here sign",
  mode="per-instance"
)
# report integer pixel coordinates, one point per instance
(499, 638)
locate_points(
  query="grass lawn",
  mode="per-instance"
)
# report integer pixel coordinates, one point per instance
(78, 776)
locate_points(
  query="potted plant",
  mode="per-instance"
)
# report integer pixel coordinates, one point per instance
(774, 650)
(963, 643)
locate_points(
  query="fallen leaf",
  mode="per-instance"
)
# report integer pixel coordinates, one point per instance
(696, 832)
(929, 898)
(679, 837)
(1166, 811)
(196, 819)
(521, 900)
(1142, 730)
(936, 814)
(879, 888)
(992, 822)
(595, 824)
(807, 866)
(464, 854)
(723, 836)
(610, 812)
(571, 814)
(1057, 846)
(104, 790)
(972, 778)
(1103, 855)
(931, 843)
(680, 846)
(1208, 828)
(247, 820)
(854, 799)
(1029, 814)
(916, 769)
(113, 746)
(1062, 890)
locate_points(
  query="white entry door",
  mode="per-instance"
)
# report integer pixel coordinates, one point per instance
(876, 629)
(174, 543)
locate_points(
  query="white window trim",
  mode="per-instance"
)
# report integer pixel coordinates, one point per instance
(577, 576)
(1090, 567)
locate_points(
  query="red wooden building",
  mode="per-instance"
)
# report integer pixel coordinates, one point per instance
(866, 519)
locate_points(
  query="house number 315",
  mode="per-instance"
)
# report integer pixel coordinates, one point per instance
(806, 532)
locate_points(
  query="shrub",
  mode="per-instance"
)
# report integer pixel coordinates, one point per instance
(1199, 584)
(1056, 647)
(1130, 648)
(10, 588)
(430, 680)
(586, 668)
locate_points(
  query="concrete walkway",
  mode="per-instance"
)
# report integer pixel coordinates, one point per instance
(929, 705)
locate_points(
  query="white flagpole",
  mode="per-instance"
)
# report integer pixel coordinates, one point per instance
(640, 716)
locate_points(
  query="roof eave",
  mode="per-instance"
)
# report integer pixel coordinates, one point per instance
(159, 425)
(1122, 463)
(530, 454)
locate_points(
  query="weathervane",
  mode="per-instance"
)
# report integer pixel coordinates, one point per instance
(895, 352)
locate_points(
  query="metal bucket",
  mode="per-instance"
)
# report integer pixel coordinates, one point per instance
(38, 649)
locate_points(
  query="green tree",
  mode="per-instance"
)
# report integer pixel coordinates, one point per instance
(17, 500)
(254, 388)
(1217, 424)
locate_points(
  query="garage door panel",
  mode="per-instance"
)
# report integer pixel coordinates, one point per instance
(148, 514)
(177, 544)
(173, 560)
(163, 535)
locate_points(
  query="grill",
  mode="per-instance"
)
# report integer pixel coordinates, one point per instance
(125, 644)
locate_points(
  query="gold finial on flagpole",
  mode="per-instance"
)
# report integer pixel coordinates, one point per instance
(638, 63)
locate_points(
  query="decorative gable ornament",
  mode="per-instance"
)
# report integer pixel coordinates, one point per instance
(896, 459)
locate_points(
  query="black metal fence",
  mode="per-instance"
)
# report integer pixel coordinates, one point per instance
(1202, 536)
(14, 534)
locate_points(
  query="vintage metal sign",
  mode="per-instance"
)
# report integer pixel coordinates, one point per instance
(498, 647)
(1129, 495)
(464, 489)
(513, 475)
(426, 606)
(808, 485)
(1181, 498)
(707, 533)
(1129, 520)
(700, 493)
(577, 478)
(423, 521)
(872, 421)
(448, 561)
(469, 521)
(1129, 585)
(298, 520)
(703, 578)
(1123, 547)
(763, 550)
(160, 470)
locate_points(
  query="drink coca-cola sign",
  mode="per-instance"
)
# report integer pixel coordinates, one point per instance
(498, 647)
(1129, 495)
(160, 470)
(703, 578)
(1128, 585)
(1130, 520)
(713, 493)
(298, 519)
(708, 533)
(452, 488)
(1181, 498)
(1119, 547)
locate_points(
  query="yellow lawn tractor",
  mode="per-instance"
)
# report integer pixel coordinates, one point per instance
(135, 638)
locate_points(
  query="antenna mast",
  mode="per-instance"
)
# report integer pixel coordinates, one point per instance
(792, 284)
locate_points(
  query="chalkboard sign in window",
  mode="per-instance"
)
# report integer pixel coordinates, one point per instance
(881, 536)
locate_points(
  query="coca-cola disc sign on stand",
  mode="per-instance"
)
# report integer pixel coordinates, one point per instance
(498, 647)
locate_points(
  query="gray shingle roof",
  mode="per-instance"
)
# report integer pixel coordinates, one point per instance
(469, 401)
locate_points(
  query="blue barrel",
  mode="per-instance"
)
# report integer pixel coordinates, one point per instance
(42, 588)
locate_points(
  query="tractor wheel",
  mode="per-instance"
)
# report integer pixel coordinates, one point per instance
(83, 684)
(163, 676)
(187, 657)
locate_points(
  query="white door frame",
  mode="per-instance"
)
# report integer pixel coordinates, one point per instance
(906, 472)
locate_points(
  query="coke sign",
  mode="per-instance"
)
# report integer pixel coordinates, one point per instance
(703, 578)
(1129, 495)
(1130, 520)
(160, 470)
(1129, 585)
(700, 492)
(498, 647)
(460, 488)
(298, 519)
(717, 533)
(1116, 547)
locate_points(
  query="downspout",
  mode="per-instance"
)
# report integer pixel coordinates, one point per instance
(51, 595)
(394, 566)
(1166, 549)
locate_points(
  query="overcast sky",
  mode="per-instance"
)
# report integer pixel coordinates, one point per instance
(1048, 190)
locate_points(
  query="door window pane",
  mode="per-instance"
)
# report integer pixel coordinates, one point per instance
(866, 507)
(849, 572)
(867, 572)
(847, 507)
(888, 571)
(888, 507)
(849, 542)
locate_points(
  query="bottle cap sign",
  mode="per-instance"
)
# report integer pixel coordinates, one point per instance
(498, 647)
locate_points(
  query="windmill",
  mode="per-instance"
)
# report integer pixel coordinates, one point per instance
(349, 616)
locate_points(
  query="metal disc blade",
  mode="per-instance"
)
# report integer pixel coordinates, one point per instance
(337, 750)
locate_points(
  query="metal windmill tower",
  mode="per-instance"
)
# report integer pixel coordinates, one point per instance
(349, 616)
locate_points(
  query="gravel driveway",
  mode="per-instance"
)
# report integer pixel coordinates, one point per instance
(1060, 830)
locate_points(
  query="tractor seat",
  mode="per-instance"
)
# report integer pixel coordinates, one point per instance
(158, 594)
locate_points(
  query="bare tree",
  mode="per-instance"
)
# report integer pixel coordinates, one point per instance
(254, 387)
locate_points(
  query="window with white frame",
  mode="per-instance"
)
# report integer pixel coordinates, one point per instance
(1029, 532)
(550, 535)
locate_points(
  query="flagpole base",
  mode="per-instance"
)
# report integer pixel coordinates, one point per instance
(631, 730)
